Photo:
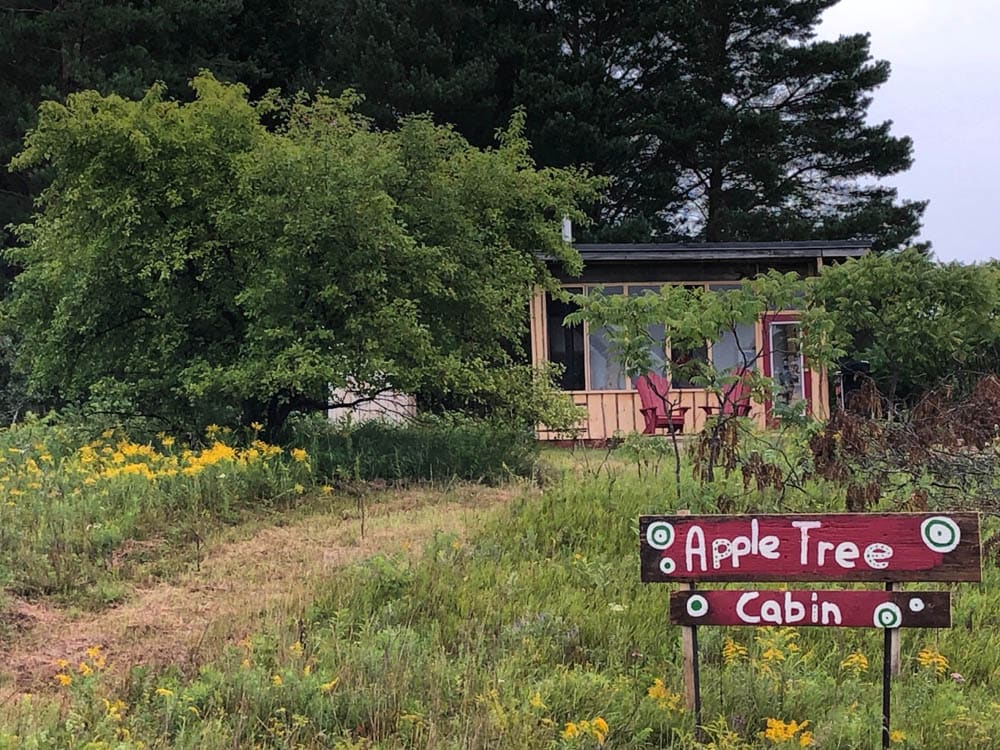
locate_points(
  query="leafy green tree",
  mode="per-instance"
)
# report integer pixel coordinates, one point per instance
(190, 264)
(917, 322)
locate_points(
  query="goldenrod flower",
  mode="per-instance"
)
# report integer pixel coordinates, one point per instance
(930, 657)
(666, 699)
(732, 652)
(779, 731)
(855, 662)
(114, 709)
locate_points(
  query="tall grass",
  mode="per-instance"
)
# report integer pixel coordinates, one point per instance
(538, 634)
(432, 448)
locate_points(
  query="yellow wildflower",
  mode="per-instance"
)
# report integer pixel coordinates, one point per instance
(164, 692)
(256, 426)
(299, 489)
(779, 731)
(806, 739)
(62, 663)
(666, 699)
(929, 657)
(536, 701)
(85, 669)
(296, 647)
(63, 679)
(855, 662)
(114, 709)
(600, 729)
(896, 736)
(327, 687)
(167, 441)
(277, 681)
(596, 728)
(732, 652)
(300, 455)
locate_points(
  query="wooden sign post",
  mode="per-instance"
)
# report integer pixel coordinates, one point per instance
(842, 547)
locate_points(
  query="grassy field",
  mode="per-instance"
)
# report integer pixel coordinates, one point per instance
(525, 628)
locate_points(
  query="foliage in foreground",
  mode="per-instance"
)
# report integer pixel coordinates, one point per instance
(192, 264)
(81, 514)
(433, 448)
(85, 512)
(537, 634)
(918, 323)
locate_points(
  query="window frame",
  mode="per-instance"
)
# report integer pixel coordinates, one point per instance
(668, 353)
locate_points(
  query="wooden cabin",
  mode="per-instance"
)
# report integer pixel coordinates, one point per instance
(596, 381)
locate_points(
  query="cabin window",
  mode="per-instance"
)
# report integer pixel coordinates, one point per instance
(735, 350)
(787, 366)
(566, 342)
(589, 361)
(606, 373)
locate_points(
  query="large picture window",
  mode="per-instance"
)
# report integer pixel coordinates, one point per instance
(589, 360)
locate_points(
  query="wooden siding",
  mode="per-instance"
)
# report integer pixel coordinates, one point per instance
(617, 412)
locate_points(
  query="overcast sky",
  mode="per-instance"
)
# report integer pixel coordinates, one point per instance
(943, 93)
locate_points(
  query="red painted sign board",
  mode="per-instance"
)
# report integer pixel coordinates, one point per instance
(811, 547)
(854, 609)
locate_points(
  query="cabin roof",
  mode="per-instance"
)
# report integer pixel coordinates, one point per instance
(721, 251)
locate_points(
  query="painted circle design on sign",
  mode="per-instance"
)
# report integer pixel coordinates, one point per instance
(940, 534)
(916, 604)
(888, 615)
(667, 566)
(697, 606)
(659, 535)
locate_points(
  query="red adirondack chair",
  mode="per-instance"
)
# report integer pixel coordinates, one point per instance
(736, 398)
(656, 410)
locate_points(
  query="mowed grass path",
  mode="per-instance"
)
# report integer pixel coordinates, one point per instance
(247, 581)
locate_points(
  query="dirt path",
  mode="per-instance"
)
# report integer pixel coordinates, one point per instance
(242, 587)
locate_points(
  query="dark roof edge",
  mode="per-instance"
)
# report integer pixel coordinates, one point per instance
(722, 250)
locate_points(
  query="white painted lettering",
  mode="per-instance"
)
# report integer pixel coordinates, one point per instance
(770, 611)
(846, 554)
(794, 611)
(694, 546)
(741, 548)
(821, 549)
(741, 603)
(804, 527)
(877, 554)
(831, 614)
(769, 547)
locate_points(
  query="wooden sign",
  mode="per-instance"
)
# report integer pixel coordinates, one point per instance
(853, 609)
(819, 547)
